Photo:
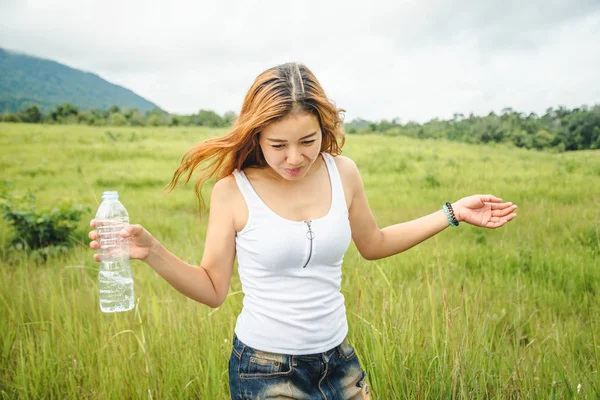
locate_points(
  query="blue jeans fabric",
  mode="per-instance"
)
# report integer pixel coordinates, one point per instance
(334, 374)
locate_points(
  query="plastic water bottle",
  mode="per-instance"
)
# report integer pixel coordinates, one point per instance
(115, 280)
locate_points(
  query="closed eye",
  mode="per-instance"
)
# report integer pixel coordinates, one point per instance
(305, 143)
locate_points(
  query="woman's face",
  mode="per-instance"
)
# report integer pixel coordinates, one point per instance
(292, 145)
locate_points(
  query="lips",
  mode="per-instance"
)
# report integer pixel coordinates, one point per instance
(294, 171)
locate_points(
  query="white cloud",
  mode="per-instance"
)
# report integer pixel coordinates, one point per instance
(410, 59)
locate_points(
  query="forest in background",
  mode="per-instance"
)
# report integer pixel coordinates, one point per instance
(558, 129)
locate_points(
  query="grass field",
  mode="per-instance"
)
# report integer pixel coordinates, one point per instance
(471, 313)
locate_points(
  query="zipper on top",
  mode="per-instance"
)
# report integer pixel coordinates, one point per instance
(310, 235)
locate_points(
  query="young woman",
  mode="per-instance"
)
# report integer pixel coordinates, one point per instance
(288, 206)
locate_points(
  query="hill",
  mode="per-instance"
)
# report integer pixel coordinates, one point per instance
(26, 80)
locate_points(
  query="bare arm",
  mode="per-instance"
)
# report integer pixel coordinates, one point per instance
(400, 237)
(207, 283)
(193, 281)
(374, 243)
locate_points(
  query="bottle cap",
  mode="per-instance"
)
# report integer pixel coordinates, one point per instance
(110, 195)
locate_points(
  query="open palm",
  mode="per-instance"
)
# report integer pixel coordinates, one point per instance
(486, 211)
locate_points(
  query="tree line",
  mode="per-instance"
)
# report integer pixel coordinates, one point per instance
(116, 116)
(559, 129)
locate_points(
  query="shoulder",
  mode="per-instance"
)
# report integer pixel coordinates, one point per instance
(226, 190)
(348, 170)
(228, 203)
(350, 177)
(344, 162)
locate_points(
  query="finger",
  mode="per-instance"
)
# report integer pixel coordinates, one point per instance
(501, 206)
(131, 230)
(490, 198)
(93, 223)
(126, 232)
(94, 245)
(97, 257)
(508, 217)
(493, 222)
(93, 235)
(504, 212)
(497, 222)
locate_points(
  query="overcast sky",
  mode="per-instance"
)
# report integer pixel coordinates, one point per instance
(415, 60)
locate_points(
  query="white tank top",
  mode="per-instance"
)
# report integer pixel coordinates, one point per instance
(291, 273)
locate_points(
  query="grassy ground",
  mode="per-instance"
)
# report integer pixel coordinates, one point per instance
(471, 313)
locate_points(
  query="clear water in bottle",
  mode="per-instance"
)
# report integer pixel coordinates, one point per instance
(115, 279)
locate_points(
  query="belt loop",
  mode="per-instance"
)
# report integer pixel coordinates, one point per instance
(238, 343)
(338, 348)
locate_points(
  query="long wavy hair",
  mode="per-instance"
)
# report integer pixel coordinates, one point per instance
(276, 93)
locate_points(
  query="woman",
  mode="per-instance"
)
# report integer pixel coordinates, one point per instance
(288, 206)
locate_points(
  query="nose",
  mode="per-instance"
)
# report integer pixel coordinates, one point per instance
(294, 156)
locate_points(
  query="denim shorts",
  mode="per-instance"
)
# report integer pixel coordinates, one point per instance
(334, 374)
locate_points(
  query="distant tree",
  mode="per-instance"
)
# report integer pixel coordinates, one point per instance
(117, 119)
(596, 143)
(229, 118)
(63, 111)
(9, 117)
(542, 139)
(68, 109)
(154, 120)
(520, 138)
(94, 117)
(209, 118)
(137, 118)
(175, 121)
(128, 113)
(384, 125)
(31, 114)
(83, 117)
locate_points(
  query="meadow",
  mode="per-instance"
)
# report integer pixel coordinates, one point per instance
(470, 313)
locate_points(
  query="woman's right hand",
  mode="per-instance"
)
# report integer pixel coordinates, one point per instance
(141, 241)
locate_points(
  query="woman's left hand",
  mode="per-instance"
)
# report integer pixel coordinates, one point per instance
(485, 210)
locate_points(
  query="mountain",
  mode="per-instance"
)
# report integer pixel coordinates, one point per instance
(26, 80)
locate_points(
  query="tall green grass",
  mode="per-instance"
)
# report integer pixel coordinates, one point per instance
(470, 313)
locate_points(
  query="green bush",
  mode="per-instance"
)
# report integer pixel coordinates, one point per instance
(117, 119)
(11, 118)
(41, 233)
